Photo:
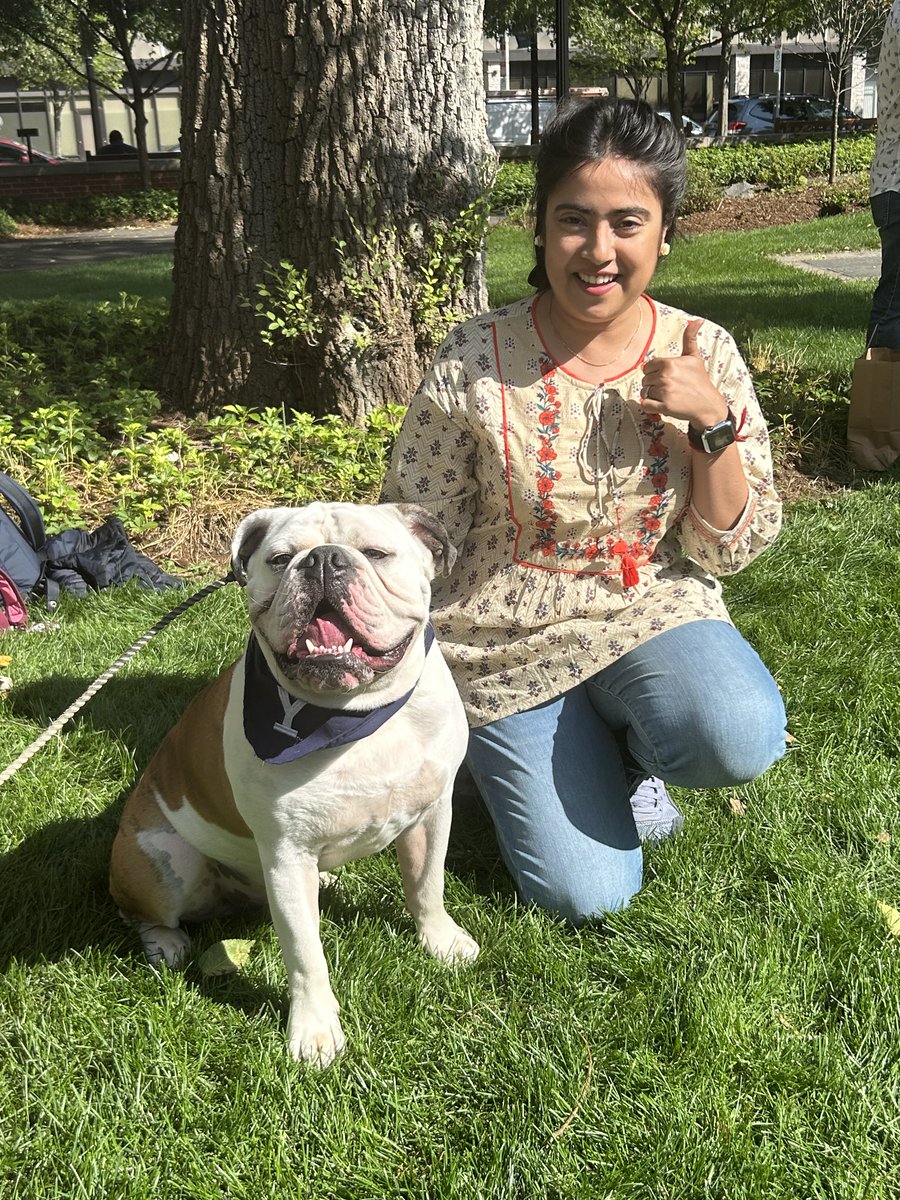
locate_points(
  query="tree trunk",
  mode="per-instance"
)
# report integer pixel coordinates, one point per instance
(724, 80)
(842, 62)
(344, 138)
(534, 61)
(136, 103)
(674, 61)
(138, 107)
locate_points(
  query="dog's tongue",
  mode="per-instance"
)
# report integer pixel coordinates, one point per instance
(325, 632)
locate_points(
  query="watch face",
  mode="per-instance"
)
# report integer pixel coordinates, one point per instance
(718, 437)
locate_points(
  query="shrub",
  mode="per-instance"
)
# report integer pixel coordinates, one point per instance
(701, 193)
(781, 165)
(850, 192)
(805, 409)
(113, 208)
(513, 186)
(784, 174)
(7, 225)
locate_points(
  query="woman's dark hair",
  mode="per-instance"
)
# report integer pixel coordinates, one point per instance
(586, 132)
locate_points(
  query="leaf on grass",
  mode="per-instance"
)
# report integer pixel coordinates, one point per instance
(883, 836)
(5, 660)
(789, 1025)
(891, 916)
(226, 957)
(736, 804)
(557, 1133)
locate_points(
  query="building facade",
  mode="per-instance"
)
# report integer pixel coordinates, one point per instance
(66, 125)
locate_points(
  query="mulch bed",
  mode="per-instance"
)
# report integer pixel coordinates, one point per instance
(757, 211)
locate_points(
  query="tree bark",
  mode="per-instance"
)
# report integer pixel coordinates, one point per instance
(724, 88)
(343, 137)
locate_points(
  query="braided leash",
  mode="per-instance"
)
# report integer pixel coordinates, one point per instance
(30, 751)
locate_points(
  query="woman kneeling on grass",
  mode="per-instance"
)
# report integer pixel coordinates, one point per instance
(598, 459)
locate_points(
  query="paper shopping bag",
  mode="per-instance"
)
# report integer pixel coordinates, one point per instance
(873, 423)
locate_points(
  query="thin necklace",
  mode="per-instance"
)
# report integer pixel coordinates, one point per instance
(581, 357)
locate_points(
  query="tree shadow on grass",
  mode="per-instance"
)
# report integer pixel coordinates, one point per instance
(140, 709)
(734, 304)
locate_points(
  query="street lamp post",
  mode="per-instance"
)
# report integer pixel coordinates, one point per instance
(562, 50)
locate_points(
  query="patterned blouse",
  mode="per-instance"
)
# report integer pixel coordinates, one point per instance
(886, 161)
(569, 506)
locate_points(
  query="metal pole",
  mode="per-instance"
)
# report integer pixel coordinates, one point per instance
(562, 50)
(535, 85)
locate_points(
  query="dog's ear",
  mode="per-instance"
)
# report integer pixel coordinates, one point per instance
(428, 529)
(247, 537)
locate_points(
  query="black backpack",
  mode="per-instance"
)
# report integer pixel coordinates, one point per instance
(31, 564)
(23, 554)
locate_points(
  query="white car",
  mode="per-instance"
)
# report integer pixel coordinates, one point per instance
(691, 128)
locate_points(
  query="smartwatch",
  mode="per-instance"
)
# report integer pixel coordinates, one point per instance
(715, 437)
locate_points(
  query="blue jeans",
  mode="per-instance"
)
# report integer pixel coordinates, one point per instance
(884, 321)
(694, 705)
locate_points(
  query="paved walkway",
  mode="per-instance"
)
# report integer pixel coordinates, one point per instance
(72, 249)
(844, 264)
(68, 249)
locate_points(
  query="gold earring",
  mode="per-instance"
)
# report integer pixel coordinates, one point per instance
(664, 249)
(539, 241)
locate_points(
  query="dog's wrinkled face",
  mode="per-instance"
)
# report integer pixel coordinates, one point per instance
(338, 593)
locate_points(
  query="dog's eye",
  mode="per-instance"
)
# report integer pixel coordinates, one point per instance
(279, 561)
(374, 553)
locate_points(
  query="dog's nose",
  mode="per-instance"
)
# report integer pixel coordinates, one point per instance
(326, 562)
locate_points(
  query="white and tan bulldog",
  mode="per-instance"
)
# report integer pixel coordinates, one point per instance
(338, 731)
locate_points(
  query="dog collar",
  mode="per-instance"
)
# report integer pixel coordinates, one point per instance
(280, 728)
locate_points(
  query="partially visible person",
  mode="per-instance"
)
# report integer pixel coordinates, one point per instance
(116, 145)
(598, 459)
(884, 321)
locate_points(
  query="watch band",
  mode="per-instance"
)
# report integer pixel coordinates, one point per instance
(715, 437)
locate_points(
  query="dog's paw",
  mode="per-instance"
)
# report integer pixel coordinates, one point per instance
(315, 1036)
(164, 946)
(449, 942)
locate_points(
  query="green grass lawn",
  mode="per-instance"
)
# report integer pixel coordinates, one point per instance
(148, 276)
(732, 1035)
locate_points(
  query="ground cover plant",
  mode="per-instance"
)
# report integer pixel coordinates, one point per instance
(731, 1034)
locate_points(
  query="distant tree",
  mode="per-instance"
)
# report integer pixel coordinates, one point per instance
(683, 27)
(843, 29)
(740, 20)
(331, 224)
(614, 43)
(34, 66)
(116, 27)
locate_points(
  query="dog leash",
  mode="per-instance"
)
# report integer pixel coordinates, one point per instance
(30, 751)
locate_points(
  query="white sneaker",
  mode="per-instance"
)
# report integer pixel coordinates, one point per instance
(655, 814)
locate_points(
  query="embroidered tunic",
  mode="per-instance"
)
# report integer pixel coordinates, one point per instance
(569, 506)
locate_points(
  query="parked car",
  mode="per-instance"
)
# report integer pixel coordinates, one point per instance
(756, 114)
(691, 128)
(14, 154)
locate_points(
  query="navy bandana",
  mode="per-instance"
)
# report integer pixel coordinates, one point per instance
(281, 728)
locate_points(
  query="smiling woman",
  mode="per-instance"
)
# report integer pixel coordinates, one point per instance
(599, 459)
